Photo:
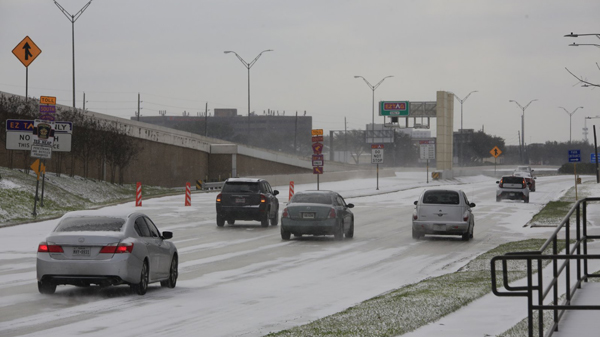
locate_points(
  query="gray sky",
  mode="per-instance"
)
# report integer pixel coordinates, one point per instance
(171, 52)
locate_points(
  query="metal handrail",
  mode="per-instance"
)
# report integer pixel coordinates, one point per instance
(577, 251)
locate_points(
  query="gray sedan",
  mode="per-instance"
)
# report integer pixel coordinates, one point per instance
(317, 213)
(94, 248)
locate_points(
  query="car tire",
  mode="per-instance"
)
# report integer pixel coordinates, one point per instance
(141, 287)
(498, 199)
(173, 273)
(416, 235)
(526, 200)
(46, 288)
(275, 219)
(220, 221)
(264, 222)
(230, 222)
(466, 236)
(285, 235)
(472, 231)
(350, 233)
(339, 232)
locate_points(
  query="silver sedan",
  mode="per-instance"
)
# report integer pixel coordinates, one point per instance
(94, 248)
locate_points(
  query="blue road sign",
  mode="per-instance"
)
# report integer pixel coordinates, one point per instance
(574, 156)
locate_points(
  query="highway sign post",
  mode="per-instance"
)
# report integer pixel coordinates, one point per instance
(427, 151)
(495, 152)
(26, 51)
(575, 157)
(377, 157)
(317, 159)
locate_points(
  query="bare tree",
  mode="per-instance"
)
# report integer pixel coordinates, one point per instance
(584, 80)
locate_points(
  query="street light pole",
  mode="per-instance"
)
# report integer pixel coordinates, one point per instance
(373, 87)
(73, 18)
(570, 117)
(248, 66)
(461, 107)
(523, 126)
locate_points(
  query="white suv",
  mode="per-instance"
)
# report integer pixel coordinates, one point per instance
(513, 188)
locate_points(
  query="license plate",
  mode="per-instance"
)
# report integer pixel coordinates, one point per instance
(308, 215)
(240, 200)
(81, 251)
(439, 227)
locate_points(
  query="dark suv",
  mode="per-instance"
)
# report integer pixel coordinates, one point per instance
(247, 199)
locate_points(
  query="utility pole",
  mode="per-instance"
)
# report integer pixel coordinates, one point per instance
(206, 120)
(345, 140)
(138, 112)
(296, 133)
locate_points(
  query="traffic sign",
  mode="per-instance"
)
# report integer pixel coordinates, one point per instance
(574, 156)
(317, 138)
(48, 100)
(19, 135)
(496, 152)
(317, 160)
(318, 170)
(36, 165)
(593, 158)
(317, 148)
(317, 132)
(377, 155)
(26, 51)
(47, 109)
(427, 150)
(396, 108)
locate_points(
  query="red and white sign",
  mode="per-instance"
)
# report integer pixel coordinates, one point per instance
(138, 195)
(291, 190)
(377, 146)
(188, 194)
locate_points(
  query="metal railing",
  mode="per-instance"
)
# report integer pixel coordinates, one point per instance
(576, 250)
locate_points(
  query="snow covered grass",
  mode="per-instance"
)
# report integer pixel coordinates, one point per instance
(554, 211)
(410, 307)
(61, 194)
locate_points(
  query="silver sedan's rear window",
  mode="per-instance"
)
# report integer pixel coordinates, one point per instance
(441, 197)
(90, 224)
(313, 198)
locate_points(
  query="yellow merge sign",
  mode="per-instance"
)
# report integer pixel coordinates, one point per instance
(496, 152)
(26, 51)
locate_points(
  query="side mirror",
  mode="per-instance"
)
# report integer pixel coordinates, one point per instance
(497, 182)
(167, 235)
(472, 204)
(350, 205)
(415, 202)
(532, 170)
(275, 192)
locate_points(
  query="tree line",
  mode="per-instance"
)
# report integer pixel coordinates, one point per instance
(95, 145)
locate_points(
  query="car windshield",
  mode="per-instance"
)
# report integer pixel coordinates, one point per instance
(90, 224)
(441, 197)
(522, 169)
(313, 198)
(241, 187)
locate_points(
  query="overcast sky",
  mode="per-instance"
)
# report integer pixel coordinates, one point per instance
(171, 52)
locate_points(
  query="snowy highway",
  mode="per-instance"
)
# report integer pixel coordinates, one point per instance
(243, 280)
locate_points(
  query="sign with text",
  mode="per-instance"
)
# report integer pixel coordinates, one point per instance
(41, 151)
(593, 158)
(574, 156)
(396, 108)
(48, 100)
(317, 132)
(317, 139)
(377, 153)
(427, 149)
(317, 160)
(19, 135)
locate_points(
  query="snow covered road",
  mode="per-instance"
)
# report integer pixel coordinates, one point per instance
(243, 280)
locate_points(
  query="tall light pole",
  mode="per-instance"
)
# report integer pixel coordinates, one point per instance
(570, 117)
(461, 107)
(73, 18)
(523, 126)
(248, 66)
(373, 87)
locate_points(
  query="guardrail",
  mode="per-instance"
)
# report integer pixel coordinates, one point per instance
(577, 251)
(212, 186)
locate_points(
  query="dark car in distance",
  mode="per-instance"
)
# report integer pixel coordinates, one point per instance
(247, 199)
(317, 213)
